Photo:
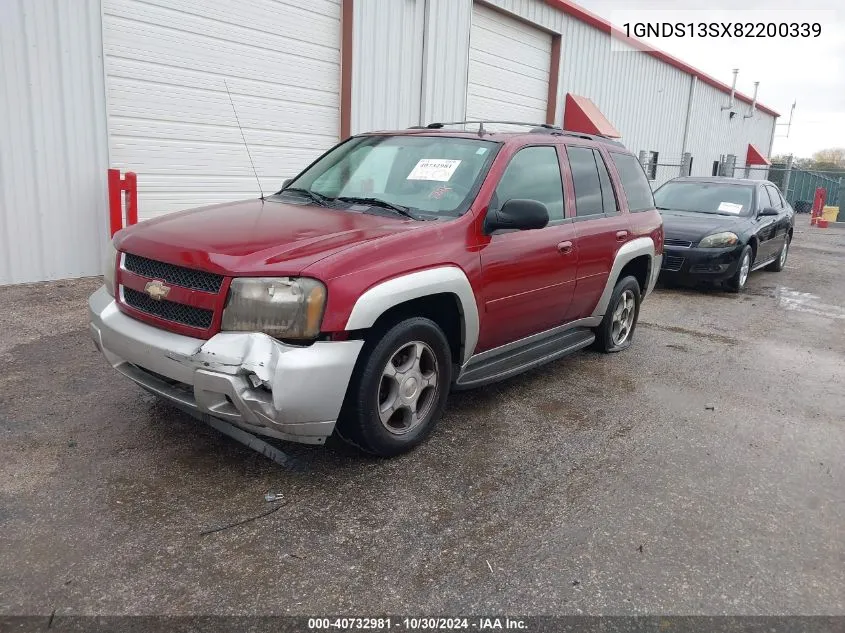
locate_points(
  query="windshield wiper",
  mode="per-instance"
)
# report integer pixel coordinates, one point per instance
(316, 197)
(384, 204)
(663, 208)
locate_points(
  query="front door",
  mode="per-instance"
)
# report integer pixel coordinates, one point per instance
(768, 244)
(528, 276)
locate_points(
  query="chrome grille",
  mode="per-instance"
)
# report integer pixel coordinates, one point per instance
(671, 241)
(178, 275)
(168, 310)
(672, 263)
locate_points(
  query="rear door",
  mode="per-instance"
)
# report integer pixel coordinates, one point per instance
(766, 227)
(528, 276)
(600, 226)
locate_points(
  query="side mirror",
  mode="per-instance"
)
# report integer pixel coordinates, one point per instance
(517, 214)
(286, 182)
(769, 211)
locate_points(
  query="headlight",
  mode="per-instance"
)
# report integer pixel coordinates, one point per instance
(283, 307)
(719, 240)
(109, 266)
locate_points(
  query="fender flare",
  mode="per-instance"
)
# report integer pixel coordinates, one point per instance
(627, 253)
(444, 279)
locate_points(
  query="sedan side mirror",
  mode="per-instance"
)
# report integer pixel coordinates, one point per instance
(769, 211)
(517, 214)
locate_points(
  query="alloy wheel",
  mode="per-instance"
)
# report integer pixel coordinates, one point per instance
(408, 387)
(623, 317)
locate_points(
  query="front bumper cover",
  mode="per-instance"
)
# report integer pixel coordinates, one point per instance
(704, 264)
(248, 379)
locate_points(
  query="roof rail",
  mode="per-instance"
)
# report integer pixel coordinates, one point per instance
(536, 128)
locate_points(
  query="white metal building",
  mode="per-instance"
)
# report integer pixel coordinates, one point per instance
(140, 85)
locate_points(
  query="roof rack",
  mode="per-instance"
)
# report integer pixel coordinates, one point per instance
(536, 128)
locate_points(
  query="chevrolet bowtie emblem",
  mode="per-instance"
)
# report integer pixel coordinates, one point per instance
(156, 289)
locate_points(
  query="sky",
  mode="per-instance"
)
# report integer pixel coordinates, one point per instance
(808, 71)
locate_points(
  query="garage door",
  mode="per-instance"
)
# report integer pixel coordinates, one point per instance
(170, 119)
(509, 65)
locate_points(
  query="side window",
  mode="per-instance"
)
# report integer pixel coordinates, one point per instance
(585, 177)
(774, 196)
(533, 174)
(783, 201)
(765, 198)
(607, 195)
(634, 183)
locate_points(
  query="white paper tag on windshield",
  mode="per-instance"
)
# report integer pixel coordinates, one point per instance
(730, 207)
(437, 169)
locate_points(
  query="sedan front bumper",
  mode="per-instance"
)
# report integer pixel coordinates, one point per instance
(702, 264)
(247, 379)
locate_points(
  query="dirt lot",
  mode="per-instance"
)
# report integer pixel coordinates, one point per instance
(701, 471)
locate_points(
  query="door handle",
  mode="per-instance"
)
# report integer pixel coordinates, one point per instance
(565, 247)
(621, 235)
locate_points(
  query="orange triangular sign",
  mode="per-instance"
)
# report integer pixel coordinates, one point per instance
(580, 114)
(755, 157)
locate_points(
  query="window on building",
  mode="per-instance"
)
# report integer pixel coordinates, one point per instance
(652, 165)
(585, 177)
(634, 182)
(533, 174)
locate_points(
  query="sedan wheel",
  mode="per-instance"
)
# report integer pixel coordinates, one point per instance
(737, 282)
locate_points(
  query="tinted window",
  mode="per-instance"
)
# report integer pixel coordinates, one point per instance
(533, 174)
(705, 197)
(585, 176)
(607, 195)
(634, 183)
(774, 196)
(766, 199)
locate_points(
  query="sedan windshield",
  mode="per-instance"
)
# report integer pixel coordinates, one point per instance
(411, 175)
(705, 197)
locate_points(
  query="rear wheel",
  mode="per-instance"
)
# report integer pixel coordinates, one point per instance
(399, 388)
(738, 281)
(780, 263)
(616, 331)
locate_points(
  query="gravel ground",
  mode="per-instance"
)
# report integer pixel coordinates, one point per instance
(699, 472)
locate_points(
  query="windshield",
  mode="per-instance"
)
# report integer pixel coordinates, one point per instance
(425, 175)
(705, 197)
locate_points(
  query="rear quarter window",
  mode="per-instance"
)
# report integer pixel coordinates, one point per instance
(634, 182)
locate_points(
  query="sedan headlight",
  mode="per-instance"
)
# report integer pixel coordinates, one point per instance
(109, 266)
(719, 240)
(281, 307)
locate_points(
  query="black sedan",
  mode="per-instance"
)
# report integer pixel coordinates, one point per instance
(721, 229)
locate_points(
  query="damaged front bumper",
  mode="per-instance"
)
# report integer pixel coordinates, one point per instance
(248, 379)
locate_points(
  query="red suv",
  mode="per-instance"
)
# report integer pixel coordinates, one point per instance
(396, 267)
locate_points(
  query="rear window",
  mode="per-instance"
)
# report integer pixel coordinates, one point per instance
(634, 182)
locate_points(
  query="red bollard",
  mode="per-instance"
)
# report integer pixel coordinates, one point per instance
(818, 205)
(129, 187)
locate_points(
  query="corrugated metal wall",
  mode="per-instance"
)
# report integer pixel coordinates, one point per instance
(644, 97)
(171, 119)
(387, 64)
(53, 152)
(446, 54)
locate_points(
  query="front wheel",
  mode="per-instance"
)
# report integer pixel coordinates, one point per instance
(616, 331)
(737, 282)
(399, 388)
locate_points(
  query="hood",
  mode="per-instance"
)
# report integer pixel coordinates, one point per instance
(255, 237)
(691, 226)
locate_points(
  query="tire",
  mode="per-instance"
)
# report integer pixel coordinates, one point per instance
(610, 336)
(740, 278)
(393, 365)
(780, 263)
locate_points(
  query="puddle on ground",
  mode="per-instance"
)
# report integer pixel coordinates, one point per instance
(790, 299)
